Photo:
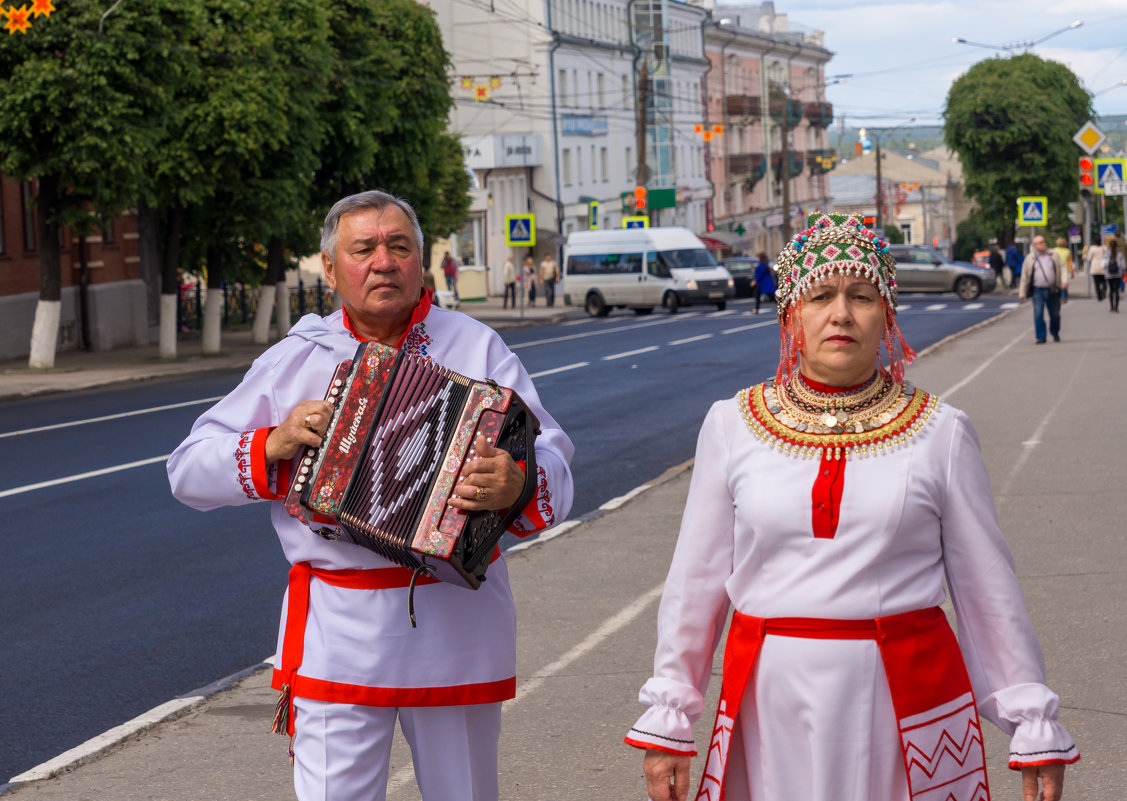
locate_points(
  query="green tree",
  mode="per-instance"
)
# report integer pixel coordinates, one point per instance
(1011, 121)
(78, 94)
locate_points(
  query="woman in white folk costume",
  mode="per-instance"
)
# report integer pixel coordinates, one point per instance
(827, 507)
(349, 664)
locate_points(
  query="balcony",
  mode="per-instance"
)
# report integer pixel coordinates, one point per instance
(819, 114)
(744, 105)
(821, 161)
(752, 166)
(796, 163)
(783, 108)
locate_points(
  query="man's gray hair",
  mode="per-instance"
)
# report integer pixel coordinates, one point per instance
(372, 199)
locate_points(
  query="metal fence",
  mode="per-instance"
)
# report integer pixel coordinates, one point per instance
(240, 302)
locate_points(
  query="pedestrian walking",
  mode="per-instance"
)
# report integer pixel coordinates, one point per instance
(509, 276)
(1013, 261)
(530, 279)
(549, 275)
(349, 663)
(450, 271)
(763, 285)
(997, 263)
(1114, 270)
(1094, 262)
(830, 506)
(1041, 274)
(1065, 256)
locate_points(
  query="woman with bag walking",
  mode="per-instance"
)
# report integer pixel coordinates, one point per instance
(1113, 272)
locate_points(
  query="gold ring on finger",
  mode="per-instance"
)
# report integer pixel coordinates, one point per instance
(480, 494)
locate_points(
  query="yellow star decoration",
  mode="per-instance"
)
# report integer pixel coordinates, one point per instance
(19, 19)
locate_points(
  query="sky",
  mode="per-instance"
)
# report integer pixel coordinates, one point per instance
(903, 61)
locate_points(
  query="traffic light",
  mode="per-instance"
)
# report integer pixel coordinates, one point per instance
(1076, 212)
(640, 198)
(1087, 176)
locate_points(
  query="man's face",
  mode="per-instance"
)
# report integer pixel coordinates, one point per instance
(376, 266)
(1039, 244)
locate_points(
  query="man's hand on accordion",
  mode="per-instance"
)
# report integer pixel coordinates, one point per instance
(304, 427)
(492, 480)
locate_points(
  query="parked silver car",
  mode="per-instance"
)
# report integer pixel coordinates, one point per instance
(924, 269)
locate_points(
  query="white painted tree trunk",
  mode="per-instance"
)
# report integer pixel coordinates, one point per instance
(168, 306)
(213, 319)
(44, 333)
(282, 304)
(261, 332)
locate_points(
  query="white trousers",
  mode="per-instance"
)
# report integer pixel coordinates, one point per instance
(342, 751)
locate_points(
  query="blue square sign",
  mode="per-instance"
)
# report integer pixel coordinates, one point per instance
(520, 230)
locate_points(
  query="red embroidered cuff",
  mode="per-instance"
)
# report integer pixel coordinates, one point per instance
(262, 473)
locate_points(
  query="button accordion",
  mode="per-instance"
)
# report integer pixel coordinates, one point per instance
(400, 435)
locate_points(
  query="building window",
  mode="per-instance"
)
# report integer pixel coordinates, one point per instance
(563, 87)
(602, 91)
(27, 210)
(567, 166)
(626, 100)
(579, 165)
(108, 234)
(906, 230)
(629, 164)
(603, 158)
(594, 165)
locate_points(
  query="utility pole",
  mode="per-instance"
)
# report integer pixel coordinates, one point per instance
(880, 191)
(643, 99)
(785, 167)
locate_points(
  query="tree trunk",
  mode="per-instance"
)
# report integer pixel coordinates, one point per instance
(275, 274)
(213, 308)
(45, 329)
(148, 250)
(170, 281)
(282, 305)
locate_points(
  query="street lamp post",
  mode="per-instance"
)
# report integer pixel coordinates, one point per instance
(1024, 45)
(880, 185)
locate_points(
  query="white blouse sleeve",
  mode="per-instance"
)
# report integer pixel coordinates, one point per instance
(695, 602)
(1002, 654)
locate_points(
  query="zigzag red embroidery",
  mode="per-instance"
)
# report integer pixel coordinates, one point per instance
(946, 745)
(981, 793)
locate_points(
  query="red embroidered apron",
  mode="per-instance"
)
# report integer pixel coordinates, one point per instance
(940, 735)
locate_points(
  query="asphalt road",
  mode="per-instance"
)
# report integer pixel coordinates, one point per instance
(116, 598)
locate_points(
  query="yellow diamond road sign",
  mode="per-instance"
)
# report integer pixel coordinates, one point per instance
(1089, 137)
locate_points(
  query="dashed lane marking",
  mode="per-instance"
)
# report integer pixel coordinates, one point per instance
(563, 369)
(624, 354)
(690, 339)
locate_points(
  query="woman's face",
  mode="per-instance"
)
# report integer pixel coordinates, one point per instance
(842, 320)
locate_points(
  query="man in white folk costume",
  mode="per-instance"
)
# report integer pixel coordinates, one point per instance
(349, 662)
(827, 507)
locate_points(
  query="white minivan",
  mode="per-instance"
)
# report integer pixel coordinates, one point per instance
(641, 268)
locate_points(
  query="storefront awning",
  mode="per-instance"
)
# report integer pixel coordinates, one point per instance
(723, 240)
(547, 236)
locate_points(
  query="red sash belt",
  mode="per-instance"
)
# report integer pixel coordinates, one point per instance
(940, 735)
(297, 613)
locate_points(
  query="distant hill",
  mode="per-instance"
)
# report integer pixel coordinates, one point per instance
(926, 137)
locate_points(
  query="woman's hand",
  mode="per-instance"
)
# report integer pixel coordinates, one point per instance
(667, 775)
(1051, 781)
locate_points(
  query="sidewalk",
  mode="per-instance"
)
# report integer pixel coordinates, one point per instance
(75, 370)
(1050, 437)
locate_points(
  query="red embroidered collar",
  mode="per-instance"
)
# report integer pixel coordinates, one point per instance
(422, 309)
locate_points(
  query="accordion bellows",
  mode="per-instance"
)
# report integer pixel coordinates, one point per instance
(401, 433)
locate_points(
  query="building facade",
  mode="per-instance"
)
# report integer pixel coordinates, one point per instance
(766, 89)
(103, 303)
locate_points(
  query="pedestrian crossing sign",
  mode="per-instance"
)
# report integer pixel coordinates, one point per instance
(635, 222)
(1032, 211)
(1108, 170)
(520, 230)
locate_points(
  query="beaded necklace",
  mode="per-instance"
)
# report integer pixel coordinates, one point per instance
(879, 416)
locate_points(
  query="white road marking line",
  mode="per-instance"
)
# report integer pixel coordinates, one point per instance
(103, 418)
(79, 476)
(935, 307)
(724, 313)
(1010, 305)
(750, 327)
(690, 339)
(903, 306)
(629, 353)
(614, 503)
(563, 369)
(670, 319)
(971, 306)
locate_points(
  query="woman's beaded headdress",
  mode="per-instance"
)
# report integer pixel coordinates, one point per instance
(835, 244)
